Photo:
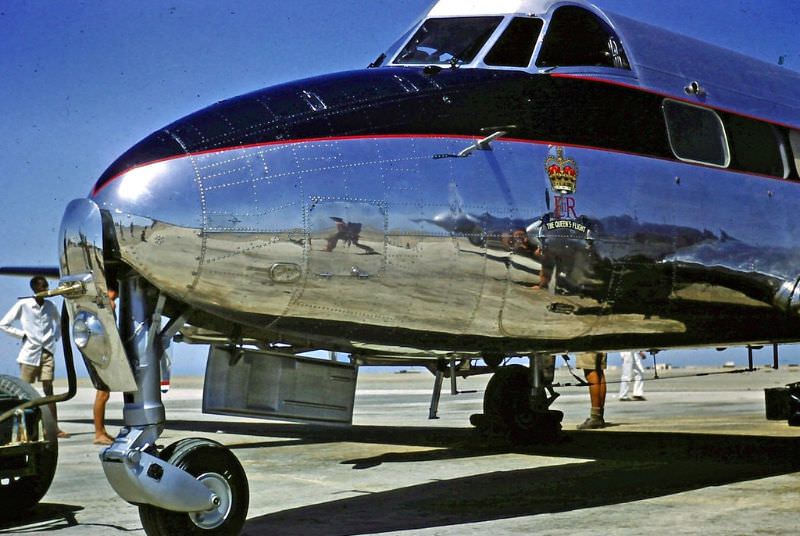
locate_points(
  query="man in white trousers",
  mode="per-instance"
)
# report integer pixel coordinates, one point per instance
(632, 366)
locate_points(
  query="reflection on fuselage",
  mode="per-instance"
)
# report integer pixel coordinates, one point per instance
(523, 278)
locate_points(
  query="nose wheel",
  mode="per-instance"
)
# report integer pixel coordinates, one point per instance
(216, 468)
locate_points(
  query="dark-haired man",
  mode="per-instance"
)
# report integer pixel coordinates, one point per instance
(39, 321)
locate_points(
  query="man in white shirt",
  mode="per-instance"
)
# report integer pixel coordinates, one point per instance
(39, 322)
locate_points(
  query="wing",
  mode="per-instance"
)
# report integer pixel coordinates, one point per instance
(51, 272)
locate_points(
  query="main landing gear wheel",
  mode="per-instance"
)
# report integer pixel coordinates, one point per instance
(219, 470)
(18, 493)
(507, 409)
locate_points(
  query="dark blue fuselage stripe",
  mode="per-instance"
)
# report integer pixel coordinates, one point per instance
(453, 103)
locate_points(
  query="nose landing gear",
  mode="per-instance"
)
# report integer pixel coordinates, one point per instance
(194, 486)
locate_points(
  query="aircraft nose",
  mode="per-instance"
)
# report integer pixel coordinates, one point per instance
(227, 195)
(162, 191)
(153, 215)
(211, 225)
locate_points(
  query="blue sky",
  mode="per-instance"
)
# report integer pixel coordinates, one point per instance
(80, 82)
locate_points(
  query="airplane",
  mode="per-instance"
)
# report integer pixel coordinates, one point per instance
(511, 178)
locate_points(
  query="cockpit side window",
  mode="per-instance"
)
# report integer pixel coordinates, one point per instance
(576, 37)
(515, 47)
(453, 40)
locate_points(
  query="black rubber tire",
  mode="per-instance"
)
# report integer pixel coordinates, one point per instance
(201, 457)
(506, 398)
(507, 411)
(21, 493)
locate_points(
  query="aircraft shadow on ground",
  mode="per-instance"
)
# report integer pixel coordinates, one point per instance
(613, 468)
(624, 467)
(44, 516)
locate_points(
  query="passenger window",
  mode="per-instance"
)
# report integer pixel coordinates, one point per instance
(577, 37)
(794, 141)
(755, 146)
(515, 47)
(696, 134)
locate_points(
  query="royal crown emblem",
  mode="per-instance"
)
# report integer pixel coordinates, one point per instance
(563, 172)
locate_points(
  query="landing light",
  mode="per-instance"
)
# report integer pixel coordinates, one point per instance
(89, 335)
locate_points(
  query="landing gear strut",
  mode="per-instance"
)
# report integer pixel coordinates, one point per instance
(517, 401)
(194, 486)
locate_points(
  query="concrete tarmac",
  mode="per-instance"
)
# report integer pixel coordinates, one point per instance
(697, 457)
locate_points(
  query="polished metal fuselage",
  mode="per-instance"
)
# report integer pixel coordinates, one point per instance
(391, 244)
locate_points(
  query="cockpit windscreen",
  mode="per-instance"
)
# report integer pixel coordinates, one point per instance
(454, 40)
